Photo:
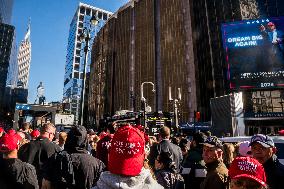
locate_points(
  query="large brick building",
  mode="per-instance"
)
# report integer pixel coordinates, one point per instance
(172, 43)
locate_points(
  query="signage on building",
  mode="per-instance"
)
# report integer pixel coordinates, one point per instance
(23, 107)
(254, 53)
(264, 115)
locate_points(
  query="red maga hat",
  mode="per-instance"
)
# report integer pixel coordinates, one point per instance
(35, 133)
(9, 142)
(247, 167)
(127, 151)
(271, 24)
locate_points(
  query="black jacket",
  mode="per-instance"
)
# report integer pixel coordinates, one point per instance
(274, 171)
(169, 179)
(74, 167)
(37, 152)
(166, 146)
(17, 174)
(193, 168)
(86, 171)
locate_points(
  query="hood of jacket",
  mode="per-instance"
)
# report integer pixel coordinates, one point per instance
(77, 140)
(142, 181)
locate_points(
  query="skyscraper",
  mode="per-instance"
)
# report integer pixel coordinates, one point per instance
(6, 7)
(6, 41)
(75, 53)
(24, 59)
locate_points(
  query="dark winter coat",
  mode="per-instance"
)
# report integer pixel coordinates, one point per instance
(166, 146)
(274, 171)
(169, 180)
(37, 152)
(80, 170)
(17, 174)
(194, 170)
(216, 177)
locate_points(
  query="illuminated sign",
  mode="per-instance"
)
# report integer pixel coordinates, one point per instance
(254, 52)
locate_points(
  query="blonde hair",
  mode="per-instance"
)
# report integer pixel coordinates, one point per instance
(228, 153)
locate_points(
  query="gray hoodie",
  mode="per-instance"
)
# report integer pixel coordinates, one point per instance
(142, 181)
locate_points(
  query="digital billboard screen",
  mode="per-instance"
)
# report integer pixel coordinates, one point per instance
(254, 52)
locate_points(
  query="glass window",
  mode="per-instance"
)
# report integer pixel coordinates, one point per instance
(76, 75)
(105, 16)
(88, 11)
(82, 10)
(100, 15)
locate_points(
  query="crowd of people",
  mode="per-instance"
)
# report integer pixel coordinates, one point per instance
(126, 157)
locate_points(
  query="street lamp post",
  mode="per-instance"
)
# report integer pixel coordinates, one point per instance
(144, 101)
(86, 36)
(175, 102)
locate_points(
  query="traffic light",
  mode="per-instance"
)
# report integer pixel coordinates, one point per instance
(197, 116)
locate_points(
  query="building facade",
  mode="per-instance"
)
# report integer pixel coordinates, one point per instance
(75, 53)
(177, 45)
(6, 41)
(127, 56)
(6, 11)
(24, 59)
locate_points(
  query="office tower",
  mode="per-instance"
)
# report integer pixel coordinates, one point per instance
(6, 41)
(24, 59)
(75, 53)
(6, 7)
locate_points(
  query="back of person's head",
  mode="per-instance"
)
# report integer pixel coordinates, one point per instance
(47, 128)
(127, 151)
(175, 140)
(199, 137)
(10, 143)
(165, 132)
(62, 138)
(228, 153)
(77, 139)
(111, 128)
(167, 160)
(26, 125)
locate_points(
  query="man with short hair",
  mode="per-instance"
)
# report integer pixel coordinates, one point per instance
(15, 173)
(165, 145)
(38, 151)
(217, 173)
(263, 149)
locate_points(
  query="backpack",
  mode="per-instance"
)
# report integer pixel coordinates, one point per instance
(64, 176)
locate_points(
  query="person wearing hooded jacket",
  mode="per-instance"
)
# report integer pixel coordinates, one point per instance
(82, 168)
(125, 165)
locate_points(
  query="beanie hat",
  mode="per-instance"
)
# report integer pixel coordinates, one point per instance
(247, 167)
(76, 139)
(127, 153)
(9, 142)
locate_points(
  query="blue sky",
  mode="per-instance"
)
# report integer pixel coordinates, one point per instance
(50, 21)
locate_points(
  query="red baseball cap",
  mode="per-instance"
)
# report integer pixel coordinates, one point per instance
(1, 129)
(11, 132)
(247, 167)
(270, 24)
(9, 142)
(35, 133)
(127, 151)
(281, 132)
